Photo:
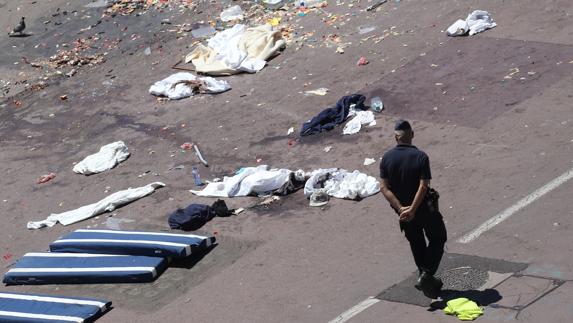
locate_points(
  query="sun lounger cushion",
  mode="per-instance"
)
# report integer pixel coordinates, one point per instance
(154, 244)
(17, 307)
(79, 268)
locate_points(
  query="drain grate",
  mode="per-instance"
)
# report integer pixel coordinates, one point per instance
(463, 278)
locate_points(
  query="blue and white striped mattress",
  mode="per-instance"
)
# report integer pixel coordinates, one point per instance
(153, 244)
(16, 307)
(80, 268)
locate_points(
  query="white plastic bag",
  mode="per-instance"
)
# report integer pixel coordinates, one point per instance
(476, 22)
(232, 13)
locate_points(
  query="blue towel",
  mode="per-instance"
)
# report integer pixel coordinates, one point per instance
(79, 268)
(17, 307)
(331, 117)
(137, 243)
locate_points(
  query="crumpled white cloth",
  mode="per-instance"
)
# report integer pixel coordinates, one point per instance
(165, 87)
(476, 22)
(108, 204)
(361, 117)
(341, 184)
(106, 158)
(256, 180)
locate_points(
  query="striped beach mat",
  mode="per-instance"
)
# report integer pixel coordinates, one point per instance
(16, 307)
(80, 268)
(153, 244)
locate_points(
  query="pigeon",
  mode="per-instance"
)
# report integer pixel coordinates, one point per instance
(20, 27)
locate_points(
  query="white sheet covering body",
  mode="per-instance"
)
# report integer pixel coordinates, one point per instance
(256, 180)
(174, 87)
(108, 204)
(106, 158)
(237, 49)
(342, 184)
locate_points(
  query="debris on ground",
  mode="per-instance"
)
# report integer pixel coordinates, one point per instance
(182, 85)
(46, 178)
(475, 23)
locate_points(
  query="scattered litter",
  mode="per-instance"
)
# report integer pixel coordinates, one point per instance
(475, 23)
(147, 51)
(63, 97)
(340, 183)
(238, 211)
(187, 146)
(181, 85)
(196, 176)
(46, 178)
(376, 5)
(376, 104)
(273, 4)
(290, 131)
(320, 91)
(369, 161)
(365, 29)
(362, 61)
(319, 198)
(106, 158)
(203, 31)
(237, 49)
(232, 13)
(108, 204)
(200, 156)
(340, 50)
(327, 149)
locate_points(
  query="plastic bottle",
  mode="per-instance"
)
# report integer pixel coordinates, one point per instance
(196, 176)
(376, 104)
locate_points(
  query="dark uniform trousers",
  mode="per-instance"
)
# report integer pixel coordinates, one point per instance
(427, 255)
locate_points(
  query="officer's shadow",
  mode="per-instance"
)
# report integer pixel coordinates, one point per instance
(482, 298)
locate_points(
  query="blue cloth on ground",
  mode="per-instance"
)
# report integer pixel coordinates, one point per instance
(191, 218)
(331, 117)
(137, 243)
(34, 308)
(79, 268)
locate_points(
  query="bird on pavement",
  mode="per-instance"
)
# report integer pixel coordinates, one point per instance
(20, 27)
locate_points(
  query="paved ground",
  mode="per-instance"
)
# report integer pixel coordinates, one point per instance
(492, 141)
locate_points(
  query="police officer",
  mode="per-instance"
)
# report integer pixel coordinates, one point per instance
(405, 173)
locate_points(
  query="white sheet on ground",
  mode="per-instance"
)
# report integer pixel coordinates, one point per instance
(361, 117)
(237, 49)
(256, 180)
(341, 184)
(108, 204)
(168, 87)
(476, 22)
(106, 158)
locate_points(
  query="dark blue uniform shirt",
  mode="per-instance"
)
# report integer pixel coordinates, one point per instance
(404, 166)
